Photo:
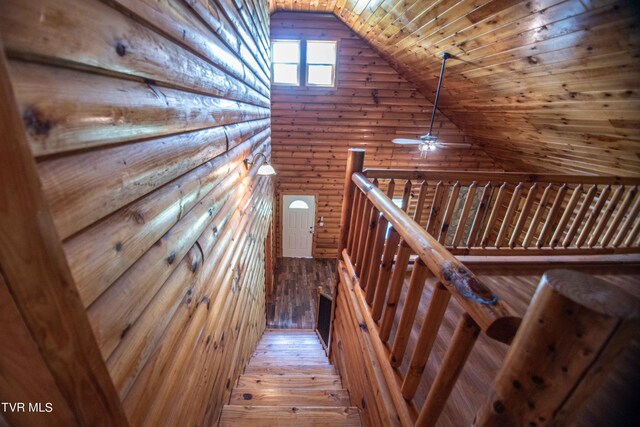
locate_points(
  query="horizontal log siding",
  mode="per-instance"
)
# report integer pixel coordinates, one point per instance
(139, 115)
(312, 128)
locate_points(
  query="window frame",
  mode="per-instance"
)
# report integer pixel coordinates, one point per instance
(303, 66)
(300, 63)
(333, 69)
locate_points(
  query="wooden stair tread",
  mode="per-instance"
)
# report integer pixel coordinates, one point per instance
(276, 416)
(289, 381)
(309, 369)
(275, 361)
(257, 381)
(289, 397)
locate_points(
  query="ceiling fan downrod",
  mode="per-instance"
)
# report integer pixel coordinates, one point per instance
(445, 56)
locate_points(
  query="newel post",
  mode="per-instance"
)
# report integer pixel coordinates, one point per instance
(355, 163)
(574, 329)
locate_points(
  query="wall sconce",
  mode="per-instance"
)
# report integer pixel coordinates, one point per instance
(265, 169)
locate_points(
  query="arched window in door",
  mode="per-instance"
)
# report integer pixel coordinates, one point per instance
(298, 204)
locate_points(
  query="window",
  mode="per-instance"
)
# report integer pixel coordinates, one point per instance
(306, 62)
(286, 62)
(298, 204)
(321, 63)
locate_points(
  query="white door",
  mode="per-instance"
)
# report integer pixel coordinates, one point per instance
(298, 218)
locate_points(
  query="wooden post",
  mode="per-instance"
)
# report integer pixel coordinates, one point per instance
(412, 301)
(471, 193)
(574, 329)
(428, 334)
(355, 163)
(386, 266)
(462, 342)
(38, 278)
(397, 280)
(353, 221)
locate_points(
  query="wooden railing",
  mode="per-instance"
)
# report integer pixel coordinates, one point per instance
(498, 213)
(377, 242)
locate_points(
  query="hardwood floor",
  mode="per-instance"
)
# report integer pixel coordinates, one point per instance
(289, 382)
(292, 305)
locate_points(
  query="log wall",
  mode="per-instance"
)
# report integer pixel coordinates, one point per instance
(139, 115)
(312, 128)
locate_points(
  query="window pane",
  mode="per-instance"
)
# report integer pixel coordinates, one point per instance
(321, 52)
(298, 204)
(285, 73)
(320, 75)
(286, 51)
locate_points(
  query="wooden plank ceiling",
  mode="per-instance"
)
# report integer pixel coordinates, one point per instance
(542, 85)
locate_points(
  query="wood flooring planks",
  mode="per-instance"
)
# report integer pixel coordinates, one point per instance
(293, 301)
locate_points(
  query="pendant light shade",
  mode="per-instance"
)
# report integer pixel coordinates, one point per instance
(265, 169)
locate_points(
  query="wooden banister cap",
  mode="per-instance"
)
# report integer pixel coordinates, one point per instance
(593, 293)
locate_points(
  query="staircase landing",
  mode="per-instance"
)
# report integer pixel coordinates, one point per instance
(289, 382)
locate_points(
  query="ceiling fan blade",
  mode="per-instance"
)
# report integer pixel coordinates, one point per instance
(405, 141)
(452, 145)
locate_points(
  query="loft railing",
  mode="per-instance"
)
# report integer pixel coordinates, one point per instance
(377, 240)
(498, 213)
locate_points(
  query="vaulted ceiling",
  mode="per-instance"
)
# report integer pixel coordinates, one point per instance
(541, 85)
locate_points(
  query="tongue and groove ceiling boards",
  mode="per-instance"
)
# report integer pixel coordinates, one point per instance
(542, 85)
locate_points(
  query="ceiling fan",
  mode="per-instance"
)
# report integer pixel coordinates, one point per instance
(429, 142)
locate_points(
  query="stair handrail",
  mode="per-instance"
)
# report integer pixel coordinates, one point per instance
(491, 313)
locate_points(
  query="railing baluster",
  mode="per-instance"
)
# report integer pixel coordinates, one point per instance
(568, 211)
(374, 262)
(524, 215)
(471, 192)
(411, 302)
(362, 201)
(615, 199)
(493, 216)
(367, 255)
(435, 207)
(593, 215)
(577, 221)
(626, 226)
(451, 205)
(364, 234)
(631, 193)
(391, 188)
(462, 342)
(632, 236)
(551, 217)
(426, 339)
(397, 279)
(422, 195)
(477, 220)
(533, 226)
(385, 273)
(406, 196)
(508, 216)
(353, 221)
(365, 259)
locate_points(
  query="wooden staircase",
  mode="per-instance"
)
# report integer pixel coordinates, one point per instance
(289, 382)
